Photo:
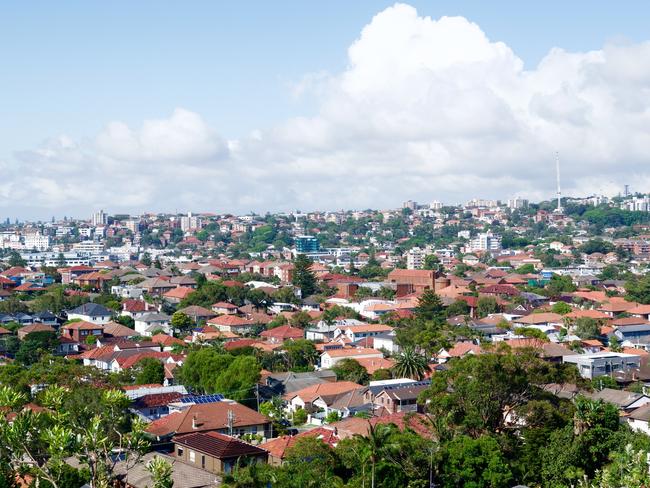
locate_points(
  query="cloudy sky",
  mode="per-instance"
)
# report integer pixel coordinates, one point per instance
(261, 106)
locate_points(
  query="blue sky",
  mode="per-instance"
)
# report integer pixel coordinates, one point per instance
(72, 67)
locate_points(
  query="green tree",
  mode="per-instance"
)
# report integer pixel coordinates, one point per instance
(561, 308)
(303, 276)
(16, 260)
(181, 321)
(486, 306)
(410, 364)
(35, 345)
(350, 370)
(475, 463)
(429, 306)
(161, 473)
(300, 355)
(149, 371)
(587, 328)
(638, 289)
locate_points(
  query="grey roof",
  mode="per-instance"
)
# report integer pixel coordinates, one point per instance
(154, 317)
(617, 397)
(641, 413)
(183, 475)
(376, 389)
(631, 329)
(94, 309)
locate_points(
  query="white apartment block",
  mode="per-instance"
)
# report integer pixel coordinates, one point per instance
(415, 258)
(190, 222)
(37, 241)
(515, 203)
(99, 218)
(485, 242)
(88, 248)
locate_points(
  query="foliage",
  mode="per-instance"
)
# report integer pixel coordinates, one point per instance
(638, 289)
(350, 370)
(149, 371)
(300, 355)
(587, 328)
(486, 306)
(303, 276)
(161, 473)
(181, 321)
(561, 308)
(410, 364)
(35, 345)
(430, 306)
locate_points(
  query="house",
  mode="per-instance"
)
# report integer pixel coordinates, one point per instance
(156, 286)
(603, 363)
(639, 419)
(402, 398)
(215, 452)
(198, 314)
(135, 308)
(277, 447)
(80, 331)
(351, 426)
(176, 295)
(626, 401)
(115, 330)
(28, 329)
(232, 323)
(386, 342)
(325, 392)
(224, 308)
(332, 356)
(211, 417)
(91, 312)
(155, 405)
(279, 335)
(361, 331)
(633, 334)
(278, 384)
(167, 342)
(412, 280)
(148, 323)
(539, 319)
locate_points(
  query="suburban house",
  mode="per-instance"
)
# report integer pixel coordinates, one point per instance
(224, 308)
(332, 356)
(215, 452)
(283, 333)
(603, 363)
(358, 332)
(91, 312)
(224, 417)
(198, 314)
(148, 323)
(626, 401)
(324, 392)
(232, 323)
(400, 398)
(80, 331)
(277, 447)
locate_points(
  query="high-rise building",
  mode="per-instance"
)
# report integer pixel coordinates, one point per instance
(306, 244)
(99, 218)
(515, 203)
(435, 205)
(415, 258)
(485, 242)
(190, 222)
(410, 204)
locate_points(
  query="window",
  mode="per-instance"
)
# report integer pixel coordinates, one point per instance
(203, 462)
(179, 452)
(192, 457)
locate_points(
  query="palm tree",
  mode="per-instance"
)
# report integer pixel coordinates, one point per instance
(410, 364)
(373, 445)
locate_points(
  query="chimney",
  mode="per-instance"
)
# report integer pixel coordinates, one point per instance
(195, 424)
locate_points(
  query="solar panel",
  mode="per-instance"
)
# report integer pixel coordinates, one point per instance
(202, 398)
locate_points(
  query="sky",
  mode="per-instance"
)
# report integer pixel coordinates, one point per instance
(255, 106)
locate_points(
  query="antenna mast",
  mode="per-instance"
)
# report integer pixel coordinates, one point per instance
(559, 191)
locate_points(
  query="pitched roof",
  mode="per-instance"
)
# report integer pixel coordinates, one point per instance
(90, 308)
(218, 445)
(278, 446)
(312, 392)
(540, 318)
(351, 351)
(82, 325)
(283, 332)
(180, 292)
(208, 416)
(230, 321)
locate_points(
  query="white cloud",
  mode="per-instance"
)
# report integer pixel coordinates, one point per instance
(426, 109)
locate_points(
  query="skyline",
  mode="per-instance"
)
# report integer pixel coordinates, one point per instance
(483, 118)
